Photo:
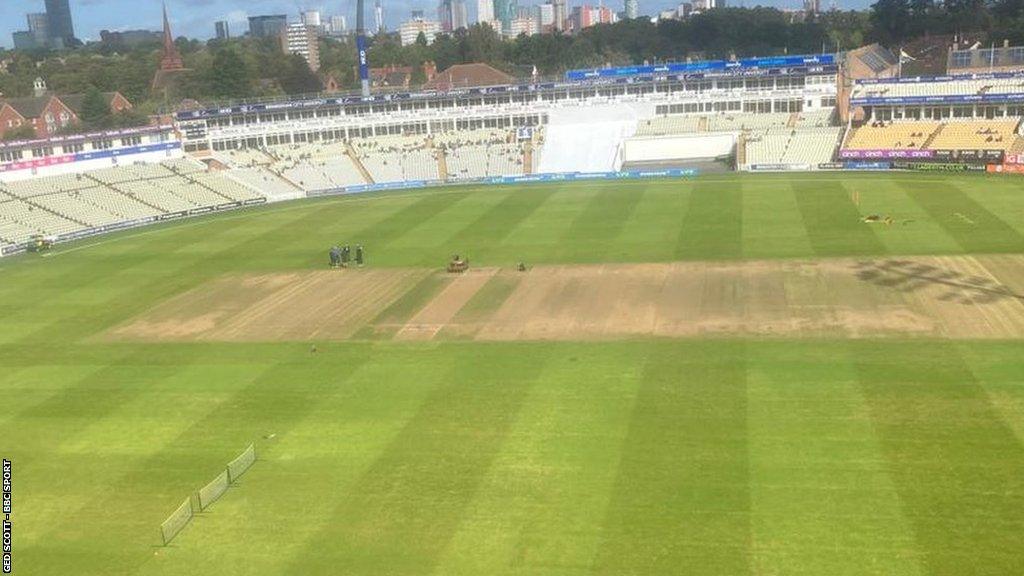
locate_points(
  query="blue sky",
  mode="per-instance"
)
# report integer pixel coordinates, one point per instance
(195, 18)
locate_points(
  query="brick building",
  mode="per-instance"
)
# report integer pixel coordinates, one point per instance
(48, 114)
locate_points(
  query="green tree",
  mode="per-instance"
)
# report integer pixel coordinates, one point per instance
(298, 78)
(228, 76)
(95, 113)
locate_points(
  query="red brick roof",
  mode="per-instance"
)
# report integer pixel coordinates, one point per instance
(468, 76)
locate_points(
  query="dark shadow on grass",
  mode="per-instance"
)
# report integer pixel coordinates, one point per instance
(908, 276)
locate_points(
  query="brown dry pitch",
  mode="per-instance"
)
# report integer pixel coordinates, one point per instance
(943, 297)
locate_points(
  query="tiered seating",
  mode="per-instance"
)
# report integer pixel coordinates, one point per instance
(130, 172)
(49, 185)
(249, 157)
(36, 219)
(962, 87)
(149, 192)
(116, 203)
(420, 165)
(815, 118)
(266, 182)
(383, 157)
(185, 166)
(892, 136)
(480, 153)
(12, 231)
(979, 135)
(73, 205)
(226, 186)
(307, 176)
(316, 166)
(667, 125)
(58, 205)
(793, 146)
(467, 162)
(751, 122)
(191, 192)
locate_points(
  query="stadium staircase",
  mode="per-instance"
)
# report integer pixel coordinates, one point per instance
(741, 150)
(931, 137)
(528, 158)
(358, 163)
(442, 163)
(702, 124)
(793, 119)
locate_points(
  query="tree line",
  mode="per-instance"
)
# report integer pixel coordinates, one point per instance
(250, 67)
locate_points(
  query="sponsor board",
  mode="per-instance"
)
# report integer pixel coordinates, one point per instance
(966, 99)
(92, 155)
(870, 154)
(954, 156)
(938, 167)
(780, 167)
(867, 165)
(524, 179)
(1005, 168)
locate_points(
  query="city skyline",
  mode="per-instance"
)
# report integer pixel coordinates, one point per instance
(194, 18)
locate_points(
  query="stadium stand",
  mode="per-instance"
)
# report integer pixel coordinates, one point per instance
(977, 135)
(803, 146)
(669, 125)
(69, 203)
(891, 136)
(480, 153)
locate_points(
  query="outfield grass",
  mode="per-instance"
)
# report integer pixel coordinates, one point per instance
(730, 457)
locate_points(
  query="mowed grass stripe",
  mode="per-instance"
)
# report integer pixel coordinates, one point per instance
(542, 504)
(397, 224)
(822, 499)
(302, 476)
(973, 226)
(833, 222)
(712, 227)
(596, 228)
(401, 514)
(192, 458)
(494, 225)
(681, 501)
(958, 468)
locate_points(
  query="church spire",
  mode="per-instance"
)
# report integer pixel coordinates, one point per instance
(172, 58)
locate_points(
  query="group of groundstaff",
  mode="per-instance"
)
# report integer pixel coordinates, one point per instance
(341, 256)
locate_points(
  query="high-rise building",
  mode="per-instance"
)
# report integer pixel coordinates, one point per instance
(410, 30)
(460, 16)
(270, 26)
(561, 14)
(25, 40)
(812, 6)
(452, 14)
(59, 14)
(586, 16)
(298, 38)
(632, 9)
(39, 26)
(506, 11)
(338, 25)
(485, 11)
(311, 18)
(223, 32)
(545, 14)
(378, 15)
